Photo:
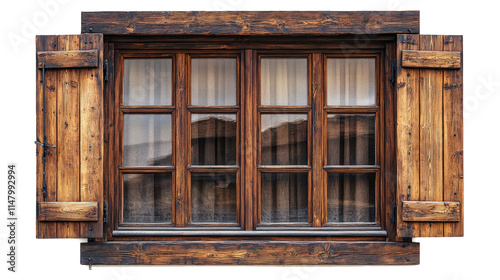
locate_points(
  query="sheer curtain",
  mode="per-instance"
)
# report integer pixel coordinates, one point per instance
(283, 81)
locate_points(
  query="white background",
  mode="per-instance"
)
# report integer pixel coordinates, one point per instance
(473, 257)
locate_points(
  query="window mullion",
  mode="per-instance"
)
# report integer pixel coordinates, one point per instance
(317, 139)
(181, 143)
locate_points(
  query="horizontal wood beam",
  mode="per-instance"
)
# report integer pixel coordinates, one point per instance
(431, 59)
(251, 22)
(68, 59)
(262, 252)
(431, 211)
(68, 212)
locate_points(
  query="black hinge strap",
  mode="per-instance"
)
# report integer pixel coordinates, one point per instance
(105, 210)
(44, 143)
(394, 67)
(106, 70)
(394, 209)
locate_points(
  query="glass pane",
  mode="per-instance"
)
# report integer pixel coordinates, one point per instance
(351, 197)
(283, 198)
(213, 198)
(283, 139)
(147, 198)
(351, 139)
(213, 81)
(283, 81)
(351, 81)
(147, 140)
(213, 139)
(147, 81)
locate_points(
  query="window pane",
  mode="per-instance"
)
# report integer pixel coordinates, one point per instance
(147, 198)
(147, 140)
(213, 81)
(283, 81)
(351, 139)
(213, 139)
(283, 139)
(213, 198)
(283, 198)
(147, 81)
(351, 81)
(351, 197)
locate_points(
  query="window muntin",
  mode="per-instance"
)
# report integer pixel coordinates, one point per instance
(222, 116)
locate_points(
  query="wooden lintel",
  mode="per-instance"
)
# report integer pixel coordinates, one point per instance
(68, 212)
(68, 59)
(259, 252)
(251, 23)
(431, 211)
(431, 59)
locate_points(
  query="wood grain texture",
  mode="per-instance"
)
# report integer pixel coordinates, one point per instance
(74, 111)
(407, 134)
(251, 23)
(67, 211)
(68, 59)
(91, 133)
(317, 93)
(453, 136)
(432, 59)
(47, 229)
(431, 211)
(438, 97)
(249, 253)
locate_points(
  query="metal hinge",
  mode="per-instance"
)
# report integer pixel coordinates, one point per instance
(106, 70)
(394, 210)
(394, 67)
(105, 214)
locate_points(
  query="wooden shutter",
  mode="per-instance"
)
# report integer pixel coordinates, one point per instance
(71, 205)
(429, 136)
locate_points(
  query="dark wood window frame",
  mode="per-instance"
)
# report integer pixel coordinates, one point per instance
(411, 73)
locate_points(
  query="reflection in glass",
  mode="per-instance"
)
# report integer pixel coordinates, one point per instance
(213, 198)
(283, 81)
(213, 139)
(284, 198)
(213, 81)
(147, 81)
(283, 139)
(350, 81)
(147, 198)
(147, 139)
(350, 139)
(351, 197)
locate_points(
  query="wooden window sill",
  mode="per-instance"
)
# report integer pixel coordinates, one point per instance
(249, 252)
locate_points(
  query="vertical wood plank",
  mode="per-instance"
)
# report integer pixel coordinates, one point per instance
(68, 130)
(109, 140)
(91, 133)
(453, 135)
(248, 142)
(389, 155)
(317, 135)
(47, 43)
(431, 134)
(407, 123)
(181, 142)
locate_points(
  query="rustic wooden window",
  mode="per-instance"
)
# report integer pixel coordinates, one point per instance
(193, 141)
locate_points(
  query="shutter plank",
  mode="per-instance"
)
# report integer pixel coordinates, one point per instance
(453, 136)
(431, 211)
(408, 120)
(91, 118)
(431, 134)
(47, 230)
(67, 211)
(431, 59)
(68, 59)
(68, 130)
